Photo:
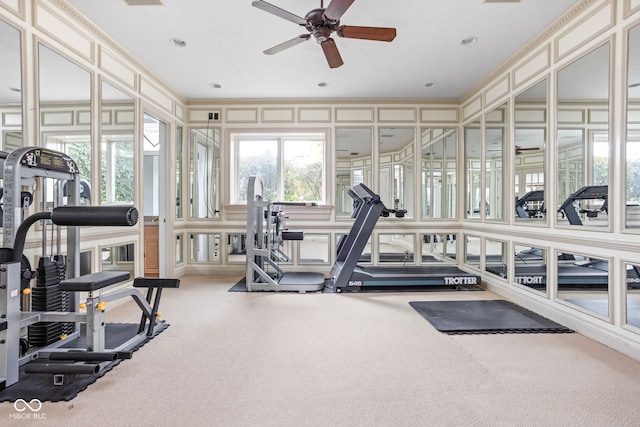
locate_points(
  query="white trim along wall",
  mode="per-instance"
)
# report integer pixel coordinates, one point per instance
(590, 24)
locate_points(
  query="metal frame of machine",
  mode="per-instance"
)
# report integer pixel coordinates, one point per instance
(265, 233)
(21, 168)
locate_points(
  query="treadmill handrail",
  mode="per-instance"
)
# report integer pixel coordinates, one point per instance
(589, 192)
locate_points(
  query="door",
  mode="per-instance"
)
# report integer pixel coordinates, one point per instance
(154, 192)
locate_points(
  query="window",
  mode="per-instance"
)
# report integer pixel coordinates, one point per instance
(117, 169)
(290, 165)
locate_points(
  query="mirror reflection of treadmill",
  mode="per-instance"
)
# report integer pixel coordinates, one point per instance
(531, 205)
(347, 275)
(573, 274)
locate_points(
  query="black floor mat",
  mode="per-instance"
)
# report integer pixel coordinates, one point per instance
(40, 386)
(484, 317)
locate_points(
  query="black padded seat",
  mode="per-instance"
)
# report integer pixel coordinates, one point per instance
(94, 281)
(146, 282)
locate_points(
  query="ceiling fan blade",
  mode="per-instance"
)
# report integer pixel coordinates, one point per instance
(336, 9)
(287, 44)
(331, 53)
(275, 10)
(367, 33)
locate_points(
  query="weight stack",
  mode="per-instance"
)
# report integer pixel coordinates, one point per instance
(46, 296)
(61, 260)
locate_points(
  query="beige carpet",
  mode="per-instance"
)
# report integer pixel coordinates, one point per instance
(269, 359)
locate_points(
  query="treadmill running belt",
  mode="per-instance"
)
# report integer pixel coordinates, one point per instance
(484, 317)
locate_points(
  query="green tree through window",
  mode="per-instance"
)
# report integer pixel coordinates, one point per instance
(291, 167)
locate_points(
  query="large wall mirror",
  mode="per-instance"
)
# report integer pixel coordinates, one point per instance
(583, 140)
(11, 92)
(530, 132)
(396, 168)
(473, 169)
(204, 173)
(583, 281)
(178, 169)
(633, 130)
(353, 165)
(530, 267)
(496, 134)
(117, 146)
(438, 161)
(65, 109)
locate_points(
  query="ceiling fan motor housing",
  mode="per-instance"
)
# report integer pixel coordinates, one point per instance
(319, 25)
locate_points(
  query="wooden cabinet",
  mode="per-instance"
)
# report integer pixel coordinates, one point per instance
(151, 251)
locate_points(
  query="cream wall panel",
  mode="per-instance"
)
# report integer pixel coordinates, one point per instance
(598, 116)
(631, 6)
(386, 158)
(364, 115)
(60, 118)
(473, 107)
(242, 115)
(497, 91)
(84, 118)
(106, 117)
(495, 116)
(15, 6)
(530, 116)
(12, 119)
(180, 112)
(436, 133)
(532, 68)
(570, 116)
(278, 115)
(62, 30)
(118, 70)
(156, 95)
(397, 115)
(314, 115)
(124, 117)
(203, 115)
(580, 34)
(439, 115)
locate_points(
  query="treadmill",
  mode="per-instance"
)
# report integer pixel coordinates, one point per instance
(347, 275)
(572, 274)
(525, 207)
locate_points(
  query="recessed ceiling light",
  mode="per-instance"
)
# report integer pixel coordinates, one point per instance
(144, 2)
(430, 84)
(178, 42)
(468, 41)
(322, 84)
(215, 85)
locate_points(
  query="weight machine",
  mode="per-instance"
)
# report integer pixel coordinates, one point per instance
(265, 233)
(61, 353)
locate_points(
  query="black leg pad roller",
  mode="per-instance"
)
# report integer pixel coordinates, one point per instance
(97, 216)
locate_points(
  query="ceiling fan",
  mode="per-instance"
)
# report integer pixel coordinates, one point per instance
(520, 149)
(321, 23)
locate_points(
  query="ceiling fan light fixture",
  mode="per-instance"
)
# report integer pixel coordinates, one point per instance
(468, 41)
(178, 42)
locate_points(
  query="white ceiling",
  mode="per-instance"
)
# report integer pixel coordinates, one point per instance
(225, 41)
